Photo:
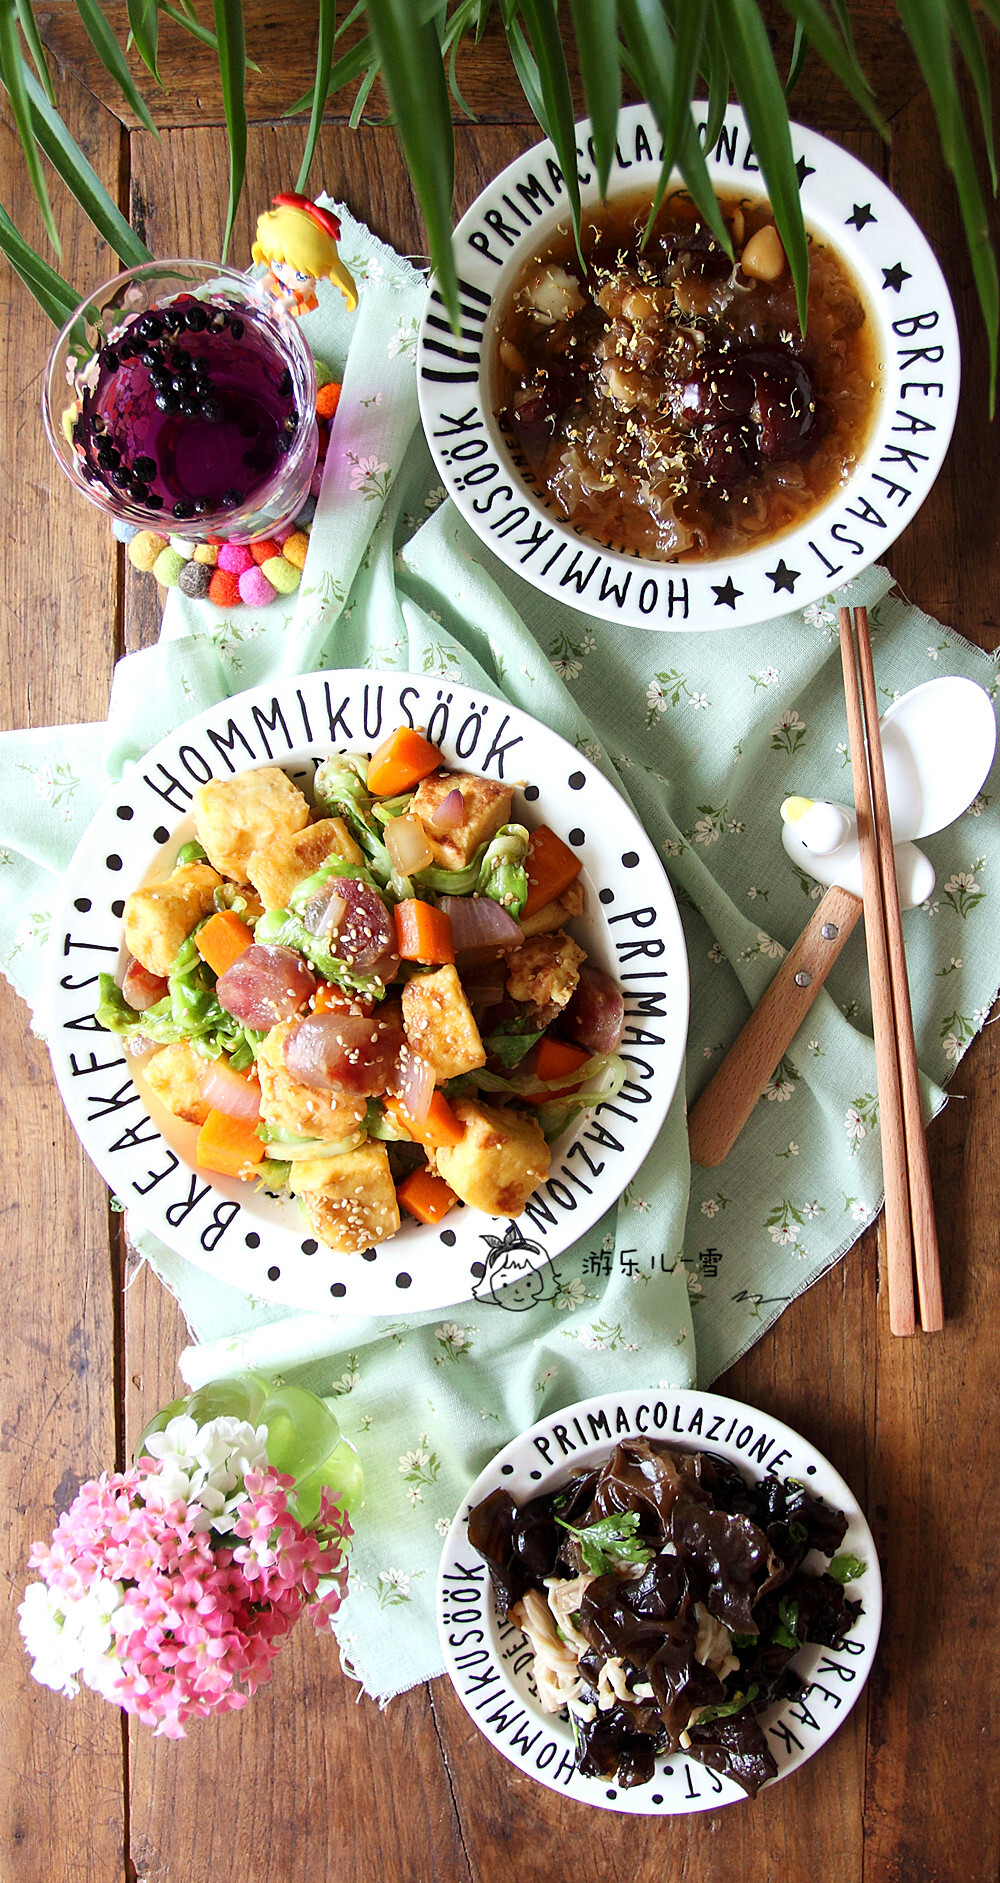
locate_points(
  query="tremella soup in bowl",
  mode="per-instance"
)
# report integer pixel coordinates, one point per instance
(646, 434)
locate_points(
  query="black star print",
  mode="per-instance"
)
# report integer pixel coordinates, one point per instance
(862, 215)
(727, 595)
(783, 577)
(894, 277)
(803, 170)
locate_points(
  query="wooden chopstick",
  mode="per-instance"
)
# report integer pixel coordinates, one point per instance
(922, 1223)
(898, 1232)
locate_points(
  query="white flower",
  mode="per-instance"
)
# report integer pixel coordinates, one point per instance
(961, 880)
(779, 1089)
(459, 1339)
(695, 1285)
(640, 1203)
(772, 949)
(413, 1460)
(566, 667)
(932, 653)
(396, 1579)
(932, 908)
(415, 1495)
(977, 807)
(656, 699)
(442, 1526)
(671, 847)
(980, 1016)
(571, 1295)
(810, 1211)
(705, 831)
(793, 1149)
(735, 827)
(364, 468)
(711, 1208)
(404, 340)
(816, 616)
(67, 1636)
(855, 1125)
(204, 1466)
(435, 496)
(715, 953)
(952, 1047)
(753, 893)
(770, 675)
(789, 722)
(782, 1233)
(700, 700)
(859, 1210)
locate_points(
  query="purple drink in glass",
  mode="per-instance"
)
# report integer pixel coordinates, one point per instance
(193, 412)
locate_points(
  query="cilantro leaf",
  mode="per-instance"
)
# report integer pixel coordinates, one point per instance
(726, 1708)
(510, 1048)
(846, 1568)
(610, 1541)
(784, 1633)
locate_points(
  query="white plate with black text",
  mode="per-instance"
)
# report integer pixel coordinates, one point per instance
(234, 1230)
(489, 1659)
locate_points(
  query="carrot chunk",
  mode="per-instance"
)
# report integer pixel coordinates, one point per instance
(331, 999)
(400, 762)
(222, 940)
(439, 1128)
(551, 867)
(426, 1196)
(423, 933)
(556, 1059)
(228, 1146)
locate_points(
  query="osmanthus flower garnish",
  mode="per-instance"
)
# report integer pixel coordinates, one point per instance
(665, 1597)
(170, 1587)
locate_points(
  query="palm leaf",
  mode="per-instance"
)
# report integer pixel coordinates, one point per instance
(324, 66)
(800, 46)
(650, 61)
(413, 72)
(33, 41)
(966, 32)
(54, 295)
(113, 59)
(546, 43)
(232, 72)
(718, 79)
(597, 48)
(820, 32)
(926, 26)
(759, 90)
(361, 99)
(144, 25)
(527, 72)
(15, 75)
(81, 179)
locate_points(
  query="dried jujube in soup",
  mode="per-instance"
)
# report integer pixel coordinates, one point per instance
(663, 398)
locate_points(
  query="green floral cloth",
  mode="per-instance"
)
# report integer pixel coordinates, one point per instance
(705, 733)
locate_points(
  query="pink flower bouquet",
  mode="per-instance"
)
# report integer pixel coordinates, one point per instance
(170, 1587)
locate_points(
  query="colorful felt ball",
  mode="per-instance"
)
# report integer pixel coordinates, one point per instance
(327, 399)
(195, 580)
(167, 567)
(324, 373)
(255, 589)
(123, 532)
(144, 549)
(264, 550)
(306, 514)
(294, 550)
(282, 533)
(224, 588)
(183, 546)
(316, 481)
(207, 553)
(234, 558)
(282, 575)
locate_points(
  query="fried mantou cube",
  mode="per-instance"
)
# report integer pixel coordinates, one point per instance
(279, 869)
(350, 1201)
(288, 1105)
(544, 972)
(236, 816)
(175, 1074)
(487, 806)
(555, 914)
(439, 1025)
(501, 1159)
(160, 916)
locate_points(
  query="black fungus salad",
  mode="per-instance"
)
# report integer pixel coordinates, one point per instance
(368, 998)
(665, 1597)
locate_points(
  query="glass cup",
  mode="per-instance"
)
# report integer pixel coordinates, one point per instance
(179, 398)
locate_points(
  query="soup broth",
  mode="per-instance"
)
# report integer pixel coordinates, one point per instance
(663, 398)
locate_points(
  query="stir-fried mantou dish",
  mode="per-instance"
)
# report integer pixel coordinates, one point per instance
(371, 1000)
(664, 1597)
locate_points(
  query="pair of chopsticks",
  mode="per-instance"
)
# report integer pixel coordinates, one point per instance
(910, 1232)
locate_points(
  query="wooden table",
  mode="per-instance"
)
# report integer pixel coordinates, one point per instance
(310, 1784)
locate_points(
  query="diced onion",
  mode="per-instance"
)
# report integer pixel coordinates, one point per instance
(228, 1091)
(480, 927)
(406, 842)
(449, 814)
(413, 1084)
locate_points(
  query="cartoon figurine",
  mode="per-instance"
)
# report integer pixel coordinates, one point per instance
(298, 240)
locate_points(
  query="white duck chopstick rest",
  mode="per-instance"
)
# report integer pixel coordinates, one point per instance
(938, 743)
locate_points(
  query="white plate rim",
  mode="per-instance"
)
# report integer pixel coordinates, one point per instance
(216, 1225)
(477, 1664)
(855, 526)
